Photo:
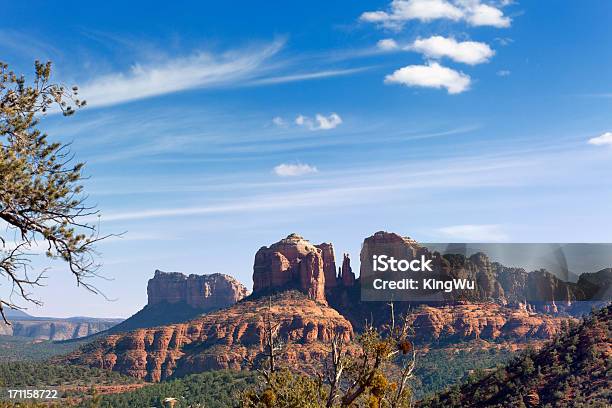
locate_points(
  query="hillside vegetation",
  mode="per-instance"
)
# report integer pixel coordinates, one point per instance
(574, 370)
(41, 374)
(216, 389)
(13, 348)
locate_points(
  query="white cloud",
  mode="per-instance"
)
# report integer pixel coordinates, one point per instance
(478, 14)
(320, 122)
(473, 12)
(601, 140)
(503, 73)
(302, 120)
(292, 170)
(387, 44)
(328, 122)
(467, 52)
(432, 75)
(404, 10)
(278, 121)
(471, 232)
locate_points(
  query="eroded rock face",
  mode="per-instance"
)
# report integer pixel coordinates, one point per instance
(485, 321)
(219, 340)
(329, 264)
(494, 282)
(293, 262)
(198, 291)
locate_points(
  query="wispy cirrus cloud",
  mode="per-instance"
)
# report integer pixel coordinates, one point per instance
(364, 186)
(252, 66)
(281, 79)
(198, 70)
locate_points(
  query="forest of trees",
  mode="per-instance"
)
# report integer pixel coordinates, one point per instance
(43, 374)
(573, 370)
(216, 389)
(14, 348)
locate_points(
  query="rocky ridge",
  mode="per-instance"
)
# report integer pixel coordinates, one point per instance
(219, 340)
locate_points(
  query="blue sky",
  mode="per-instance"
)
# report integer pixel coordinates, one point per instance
(214, 129)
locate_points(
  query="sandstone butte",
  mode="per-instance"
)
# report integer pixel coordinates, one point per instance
(302, 279)
(176, 298)
(212, 291)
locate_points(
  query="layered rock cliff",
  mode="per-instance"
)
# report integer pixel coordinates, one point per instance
(219, 340)
(198, 291)
(485, 321)
(55, 329)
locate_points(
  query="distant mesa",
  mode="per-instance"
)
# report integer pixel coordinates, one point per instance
(174, 298)
(53, 328)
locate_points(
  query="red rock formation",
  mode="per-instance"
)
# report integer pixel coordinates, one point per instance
(347, 276)
(329, 264)
(485, 321)
(390, 244)
(312, 278)
(219, 340)
(198, 291)
(493, 280)
(293, 262)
